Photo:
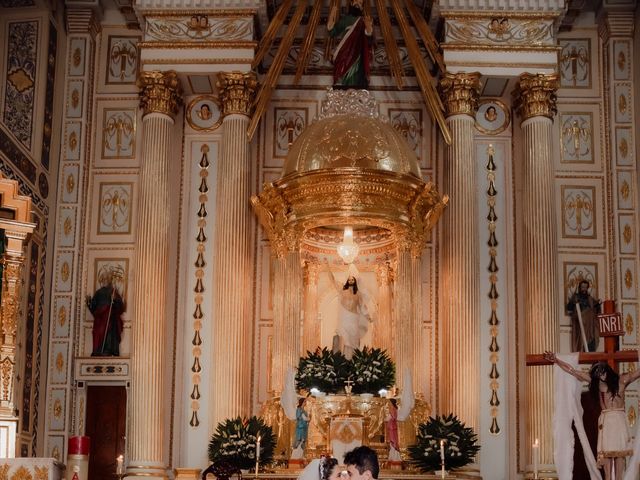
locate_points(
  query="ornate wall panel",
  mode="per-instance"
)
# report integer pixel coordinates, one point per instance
(113, 208)
(20, 79)
(627, 240)
(581, 210)
(58, 371)
(578, 136)
(120, 65)
(66, 226)
(72, 138)
(579, 63)
(626, 190)
(628, 278)
(623, 103)
(630, 323)
(116, 132)
(75, 95)
(61, 318)
(624, 147)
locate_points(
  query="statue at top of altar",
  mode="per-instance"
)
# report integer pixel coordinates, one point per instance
(353, 55)
(354, 313)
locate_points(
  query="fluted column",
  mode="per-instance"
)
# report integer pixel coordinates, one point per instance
(286, 317)
(535, 100)
(402, 316)
(383, 329)
(148, 432)
(233, 297)
(420, 347)
(459, 384)
(311, 325)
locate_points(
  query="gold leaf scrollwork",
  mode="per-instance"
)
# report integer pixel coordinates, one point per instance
(460, 93)
(119, 133)
(622, 104)
(628, 279)
(628, 324)
(42, 473)
(73, 141)
(535, 95)
(623, 147)
(576, 137)
(123, 57)
(59, 362)
(22, 473)
(160, 92)
(75, 98)
(631, 416)
(77, 57)
(625, 190)
(626, 234)
(4, 471)
(62, 315)
(65, 271)
(71, 183)
(574, 63)
(55, 453)
(67, 226)
(57, 408)
(622, 60)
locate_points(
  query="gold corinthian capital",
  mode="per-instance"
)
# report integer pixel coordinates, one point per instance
(236, 92)
(459, 93)
(160, 92)
(535, 95)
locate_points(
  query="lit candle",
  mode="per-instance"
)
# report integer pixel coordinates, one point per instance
(535, 452)
(442, 471)
(257, 455)
(120, 465)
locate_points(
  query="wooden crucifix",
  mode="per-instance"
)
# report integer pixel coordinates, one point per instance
(611, 329)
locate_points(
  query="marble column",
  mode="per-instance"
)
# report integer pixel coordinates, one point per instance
(535, 101)
(383, 328)
(311, 331)
(233, 263)
(420, 347)
(286, 316)
(460, 314)
(149, 428)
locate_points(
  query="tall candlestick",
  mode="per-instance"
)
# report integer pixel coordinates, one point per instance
(257, 455)
(536, 452)
(442, 471)
(120, 465)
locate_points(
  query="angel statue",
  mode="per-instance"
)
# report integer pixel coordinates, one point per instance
(355, 312)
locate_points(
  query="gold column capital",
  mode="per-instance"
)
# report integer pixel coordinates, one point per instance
(160, 92)
(535, 95)
(459, 93)
(237, 90)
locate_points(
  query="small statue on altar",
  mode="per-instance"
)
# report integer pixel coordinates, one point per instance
(608, 387)
(107, 307)
(589, 310)
(391, 430)
(302, 429)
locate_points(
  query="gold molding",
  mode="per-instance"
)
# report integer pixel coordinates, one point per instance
(197, 45)
(160, 92)
(237, 90)
(196, 61)
(489, 14)
(460, 92)
(243, 12)
(535, 95)
(494, 47)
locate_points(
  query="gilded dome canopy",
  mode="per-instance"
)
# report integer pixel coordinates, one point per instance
(352, 136)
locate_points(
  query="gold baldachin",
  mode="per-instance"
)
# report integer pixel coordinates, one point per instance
(160, 92)
(347, 196)
(535, 95)
(459, 93)
(237, 90)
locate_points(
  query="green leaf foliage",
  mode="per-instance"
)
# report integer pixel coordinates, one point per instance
(234, 442)
(461, 444)
(371, 370)
(322, 369)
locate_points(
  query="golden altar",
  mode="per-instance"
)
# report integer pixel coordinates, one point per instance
(323, 409)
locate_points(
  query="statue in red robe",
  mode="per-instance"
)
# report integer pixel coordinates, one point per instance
(353, 56)
(107, 308)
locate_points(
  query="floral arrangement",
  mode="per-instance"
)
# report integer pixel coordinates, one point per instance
(372, 370)
(322, 369)
(235, 441)
(460, 444)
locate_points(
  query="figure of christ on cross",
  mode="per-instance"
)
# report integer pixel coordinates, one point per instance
(609, 387)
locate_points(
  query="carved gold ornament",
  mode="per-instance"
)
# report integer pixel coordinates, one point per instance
(55, 453)
(59, 362)
(623, 147)
(75, 98)
(67, 226)
(4, 471)
(42, 473)
(62, 315)
(631, 416)
(625, 190)
(77, 57)
(73, 141)
(160, 92)
(535, 95)
(22, 473)
(237, 91)
(622, 60)
(622, 104)
(57, 408)
(626, 234)
(459, 93)
(65, 271)
(628, 324)
(628, 279)
(71, 183)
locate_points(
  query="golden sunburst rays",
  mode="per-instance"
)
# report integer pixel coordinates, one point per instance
(393, 53)
(264, 94)
(424, 78)
(428, 90)
(309, 38)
